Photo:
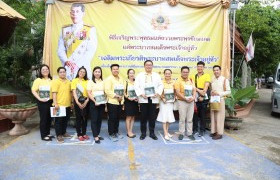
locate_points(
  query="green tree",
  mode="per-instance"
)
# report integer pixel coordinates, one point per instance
(25, 48)
(264, 22)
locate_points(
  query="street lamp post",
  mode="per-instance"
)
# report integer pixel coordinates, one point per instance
(233, 7)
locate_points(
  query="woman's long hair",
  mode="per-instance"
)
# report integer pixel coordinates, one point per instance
(85, 77)
(40, 71)
(93, 77)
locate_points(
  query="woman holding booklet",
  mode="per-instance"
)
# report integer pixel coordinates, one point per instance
(41, 90)
(130, 103)
(165, 114)
(78, 87)
(97, 98)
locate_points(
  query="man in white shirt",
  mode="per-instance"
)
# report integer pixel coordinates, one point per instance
(77, 43)
(220, 87)
(148, 87)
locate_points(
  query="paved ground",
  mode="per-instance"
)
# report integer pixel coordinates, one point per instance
(249, 153)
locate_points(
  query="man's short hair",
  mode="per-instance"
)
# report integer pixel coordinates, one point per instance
(58, 69)
(200, 63)
(114, 65)
(148, 61)
(217, 67)
(78, 5)
(185, 67)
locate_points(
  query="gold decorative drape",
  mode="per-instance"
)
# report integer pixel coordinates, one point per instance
(225, 62)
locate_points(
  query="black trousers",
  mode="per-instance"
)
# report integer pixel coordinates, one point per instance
(96, 113)
(148, 113)
(200, 119)
(61, 123)
(45, 117)
(114, 113)
(81, 119)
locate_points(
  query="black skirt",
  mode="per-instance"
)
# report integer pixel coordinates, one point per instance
(131, 108)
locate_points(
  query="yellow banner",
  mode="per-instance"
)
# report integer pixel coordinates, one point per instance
(128, 35)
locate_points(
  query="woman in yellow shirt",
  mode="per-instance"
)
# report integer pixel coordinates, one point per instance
(130, 103)
(79, 92)
(98, 100)
(166, 104)
(41, 89)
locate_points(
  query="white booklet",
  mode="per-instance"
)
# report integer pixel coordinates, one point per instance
(99, 97)
(149, 90)
(169, 95)
(215, 99)
(188, 91)
(79, 90)
(119, 90)
(61, 112)
(131, 92)
(44, 92)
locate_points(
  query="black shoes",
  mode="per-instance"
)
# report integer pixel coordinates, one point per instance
(181, 137)
(143, 136)
(153, 136)
(97, 141)
(201, 133)
(100, 138)
(133, 136)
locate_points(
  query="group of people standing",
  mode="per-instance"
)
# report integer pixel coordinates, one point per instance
(144, 92)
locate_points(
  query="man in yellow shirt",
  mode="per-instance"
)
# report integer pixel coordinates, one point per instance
(202, 82)
(185, 92)
(114, 89)
(61, 89)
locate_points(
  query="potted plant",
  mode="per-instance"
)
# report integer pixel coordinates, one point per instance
(239, 105)
(18, 113)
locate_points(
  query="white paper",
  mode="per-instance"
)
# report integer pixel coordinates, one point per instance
(99, 97)
(149, 90)
(131, 92)
(215, 99)
(188, 91)
(61, 112)
(79, 90)
(169, 95)
(44, 92)
(119, 89)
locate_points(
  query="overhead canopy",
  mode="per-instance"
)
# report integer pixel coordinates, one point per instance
(8, 19)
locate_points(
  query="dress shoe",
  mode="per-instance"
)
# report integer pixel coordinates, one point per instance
(100, 138)
(97, 141)
(142, 137)
(181, 137)
(213, 134)
(133, 136)
(153, 136)
(217, 137)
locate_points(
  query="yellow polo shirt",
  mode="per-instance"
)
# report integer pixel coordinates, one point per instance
(201, 80)
(63, 90)
(40, 83)
(82, 83)
(180, 85)
(97, 86)
(110, 83)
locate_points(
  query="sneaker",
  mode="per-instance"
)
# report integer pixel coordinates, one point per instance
(66, 135)
(81, 138)
(86, 137)
(113, 138)
(191, 137)
(119, 135)
(60, 139)
(181, 137)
